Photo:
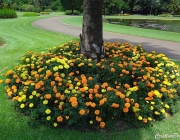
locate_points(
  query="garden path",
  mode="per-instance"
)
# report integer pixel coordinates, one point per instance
(171, 49)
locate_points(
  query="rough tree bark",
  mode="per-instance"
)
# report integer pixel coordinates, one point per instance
(91, 41)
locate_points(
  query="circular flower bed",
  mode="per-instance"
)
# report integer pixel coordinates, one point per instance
(62, 87)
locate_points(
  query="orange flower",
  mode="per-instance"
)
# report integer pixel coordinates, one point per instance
(15, 76)
(93, 105)
(127, 100)
(74, 104)
(58, 95)
(90, 78)
(125, 109)
(149, 98)
(109, 88)
(127, 105)
(96, 112)
(73, 99)
(127, 86)
(47, 96)
(114, 105)
(82, 90)
(60, 107)
(91, 91)
(7, 81)
(48, 73)
(9, 72)
(59, 79)
(77, 72)
(37, 86)
(62, 97)
(90, 96)
(122, 96)
(98, 119)
(102, 124)
(151, 94)
(84, 80)
(36, 76)
(145, 120)
(71, 73)
(81, 112)
(151, 85)
(52, 83)
(59, 119)
(136, 105)
(96, 86)
(112, 70)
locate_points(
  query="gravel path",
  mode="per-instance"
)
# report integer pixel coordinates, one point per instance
(171, 49)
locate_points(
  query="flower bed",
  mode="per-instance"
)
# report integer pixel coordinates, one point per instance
(62, 87)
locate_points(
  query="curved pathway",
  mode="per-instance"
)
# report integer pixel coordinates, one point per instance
(171, 49)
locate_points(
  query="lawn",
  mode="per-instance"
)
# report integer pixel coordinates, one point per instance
(20, 37)
(149, 33)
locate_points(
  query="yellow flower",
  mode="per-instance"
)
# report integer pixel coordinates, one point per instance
(34, 93)
(23, 97)
(149, 118)
(140, 118)
(61, 103)
(45, 102)
(91, 122)
(156, 112)
(30, 97)
(48, 118)
(60, 67)
(152, 103)
(156, 92)
(166, 106)
(31, 105)
(48, 111)
(135, 109)
(22, 105)
(103, 90)
(128, 93)
(27, 59)
(55, 68)
(66, 66)
(151, 107)
(20, 99)
(55, 124)
(163, 110)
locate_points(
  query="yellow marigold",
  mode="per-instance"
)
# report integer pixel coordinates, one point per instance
(22, 105)
(48, 111)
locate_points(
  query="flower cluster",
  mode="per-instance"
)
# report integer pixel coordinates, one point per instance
(63, 87)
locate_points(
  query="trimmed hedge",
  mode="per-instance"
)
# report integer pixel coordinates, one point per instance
(29, 14)
(7, 13)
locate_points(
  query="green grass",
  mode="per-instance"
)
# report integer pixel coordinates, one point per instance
(20, 37)
(149, 33)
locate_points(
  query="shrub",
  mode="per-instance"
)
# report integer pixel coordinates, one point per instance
(48, 10)
(27, 8)
(62, 87)
(69, 12)
(7, 13)
(44, 13)
(2, 41)
(165, 15)
(55, 5)
(123, 15)
(31, 14)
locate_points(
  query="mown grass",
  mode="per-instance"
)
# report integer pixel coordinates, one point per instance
(149, 33)
(20, 37)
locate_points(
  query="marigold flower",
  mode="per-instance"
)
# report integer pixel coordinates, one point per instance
(125, 109)
(102, 124)
(114, 105)
(48, 118)
(59, 119)
(127, 105)
(7, 81)
(1, 81)
(22, 106)
(45, 102)
(98, 119)
(9, 72)
(47, 111)
(55, 124)
(145, 120)
(112, 69)
(31, 105)
(81, 112)
(96, 112)
(140, 118)
(47, 96)
(73, 99)
(74, 104)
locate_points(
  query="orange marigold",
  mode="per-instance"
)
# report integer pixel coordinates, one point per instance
(47, 96)
(125, 109)
(74, 104)
(96, 112)
(102, 124)
(7, 81)
(59, 119)
(82, 112)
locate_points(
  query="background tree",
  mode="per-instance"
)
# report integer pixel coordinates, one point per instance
(174, 7)
(91, 43)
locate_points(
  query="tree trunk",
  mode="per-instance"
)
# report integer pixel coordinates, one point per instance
(91, 43)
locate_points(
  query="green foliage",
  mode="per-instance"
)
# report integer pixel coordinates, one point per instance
(7, 13)
(56, 5)
(27, 8)
(62, 87)
(31, 14)
(70, 12)
(165, 15)
(48, 10)
(2, 41)
(44, 13)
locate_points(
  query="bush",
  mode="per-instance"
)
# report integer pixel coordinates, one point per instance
(55, 5)
(7, 13)
(69, 12)
(48, 10)
(165, 15)
(123, 14)
(44, 13)
(31, 14)
(27, 8)
(2, 41)
(62, 87)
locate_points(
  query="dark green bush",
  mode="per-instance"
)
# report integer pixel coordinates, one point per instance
(69, 12)
(7, 13)
(31, 14)
(48, 10)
